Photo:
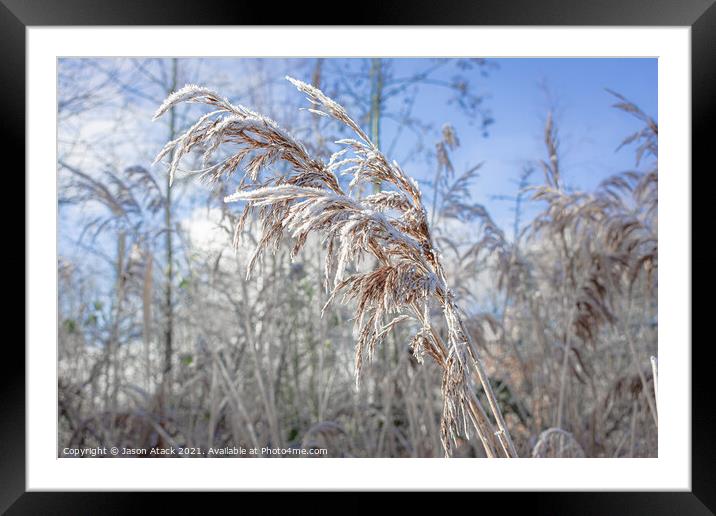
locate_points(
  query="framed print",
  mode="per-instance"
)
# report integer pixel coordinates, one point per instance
(367, 256)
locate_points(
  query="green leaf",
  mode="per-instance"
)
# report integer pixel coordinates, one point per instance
(70, 325)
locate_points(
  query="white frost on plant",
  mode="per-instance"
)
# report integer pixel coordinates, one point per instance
(186, 94)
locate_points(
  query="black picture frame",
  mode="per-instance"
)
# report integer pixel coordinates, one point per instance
(17, 15)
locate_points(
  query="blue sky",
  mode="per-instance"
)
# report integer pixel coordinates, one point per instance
(590, 129)
(518, 94)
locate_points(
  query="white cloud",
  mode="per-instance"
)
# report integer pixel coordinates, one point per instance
(206, 231)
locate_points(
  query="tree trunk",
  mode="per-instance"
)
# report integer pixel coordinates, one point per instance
(169, 250)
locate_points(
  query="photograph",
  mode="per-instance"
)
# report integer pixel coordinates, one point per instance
(357, 257)
(371, 256)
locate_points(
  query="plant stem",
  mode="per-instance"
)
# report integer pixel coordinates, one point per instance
(479, 416)
(169, 249)
(376, 97)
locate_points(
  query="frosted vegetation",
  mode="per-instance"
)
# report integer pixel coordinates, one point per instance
(330, 280)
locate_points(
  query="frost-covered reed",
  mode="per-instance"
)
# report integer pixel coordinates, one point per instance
(388, 229)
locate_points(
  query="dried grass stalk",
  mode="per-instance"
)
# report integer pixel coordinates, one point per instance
(390, 225)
